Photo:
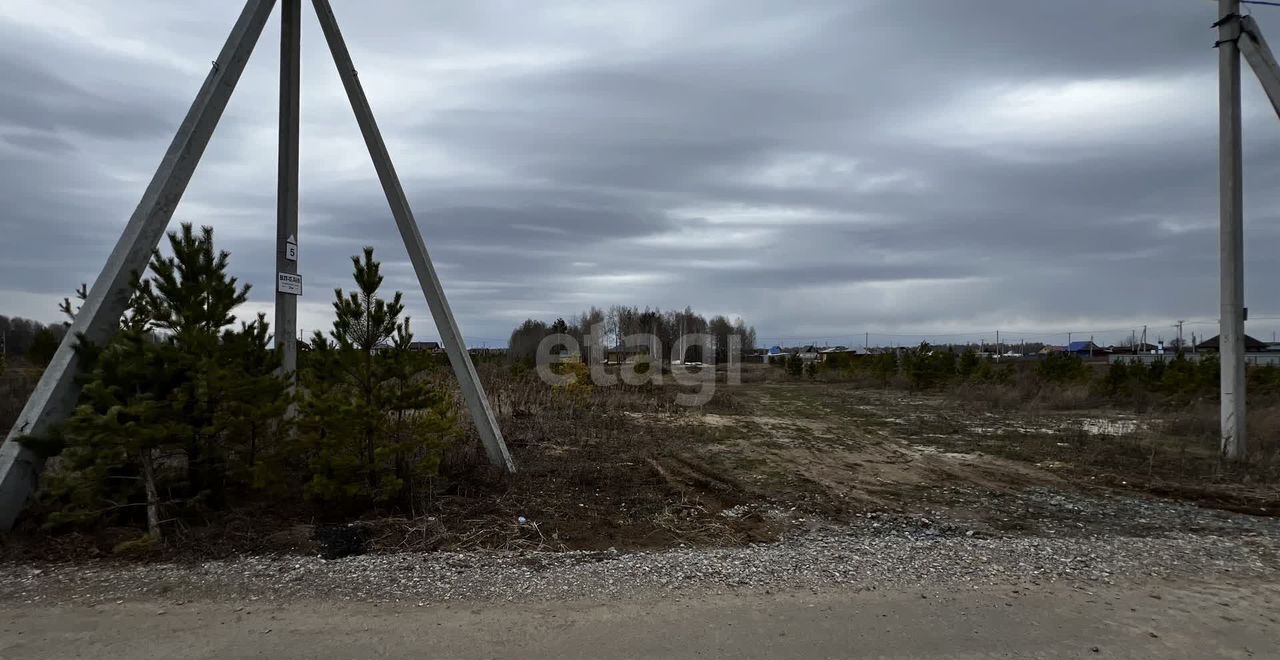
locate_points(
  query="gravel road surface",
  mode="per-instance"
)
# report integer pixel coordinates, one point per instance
(1129, 577)
(1154, 619)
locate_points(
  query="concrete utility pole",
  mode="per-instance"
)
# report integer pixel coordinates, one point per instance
(56, 392)
(1231, 233)
(287, 186)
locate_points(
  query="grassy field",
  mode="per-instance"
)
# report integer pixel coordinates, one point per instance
(625, 467)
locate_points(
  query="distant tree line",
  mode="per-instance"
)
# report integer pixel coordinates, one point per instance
(32, 339)
(1172, 379)
(619, 322)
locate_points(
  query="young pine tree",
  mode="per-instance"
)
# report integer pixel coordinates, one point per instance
(123, 426)
(371, 428)
(162, 417)
(795, 365)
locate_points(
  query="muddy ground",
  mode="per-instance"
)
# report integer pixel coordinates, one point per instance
(835, 450)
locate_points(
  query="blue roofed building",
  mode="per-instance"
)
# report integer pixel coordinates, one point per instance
(1085, 348)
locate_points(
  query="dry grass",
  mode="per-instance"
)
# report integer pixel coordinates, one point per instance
(1177, 455)
(625, 466)
(592, 475)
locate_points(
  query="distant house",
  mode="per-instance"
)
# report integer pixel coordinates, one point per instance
(838, 355)
(827, 353)
(810, 353)
(1251, 345)
(1085, 348)
(623, 354)
(565, 355)
(1051, 349)
(1131, 348)
(425, 346)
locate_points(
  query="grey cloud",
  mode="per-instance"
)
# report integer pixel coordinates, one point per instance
(904, 165)
(34, 97)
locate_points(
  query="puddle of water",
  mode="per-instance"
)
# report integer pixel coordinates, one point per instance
(1099, 426)
(924, 449)
(1012, 428)
(1091, 426)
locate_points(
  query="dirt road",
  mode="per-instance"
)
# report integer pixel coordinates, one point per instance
(1146, 620)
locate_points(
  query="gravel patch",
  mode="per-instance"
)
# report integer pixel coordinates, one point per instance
(876, 551)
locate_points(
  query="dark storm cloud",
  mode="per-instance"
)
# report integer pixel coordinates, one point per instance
(821, 168)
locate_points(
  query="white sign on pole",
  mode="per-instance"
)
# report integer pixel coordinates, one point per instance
(289, 283)
(291, 249)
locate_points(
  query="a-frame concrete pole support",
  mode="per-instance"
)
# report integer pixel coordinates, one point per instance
(1258, 54)
(286, 325)
(472, 391)
(56, 392)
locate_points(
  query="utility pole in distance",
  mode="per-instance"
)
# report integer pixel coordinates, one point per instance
(1231, 233)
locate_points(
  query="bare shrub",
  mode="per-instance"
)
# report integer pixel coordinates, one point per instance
(16, 383)
(993, 395)
(752, 374)
(1199, 420)
(1074, 396)
(597, 467)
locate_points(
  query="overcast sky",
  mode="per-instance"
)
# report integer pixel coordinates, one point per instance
(821, 169)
